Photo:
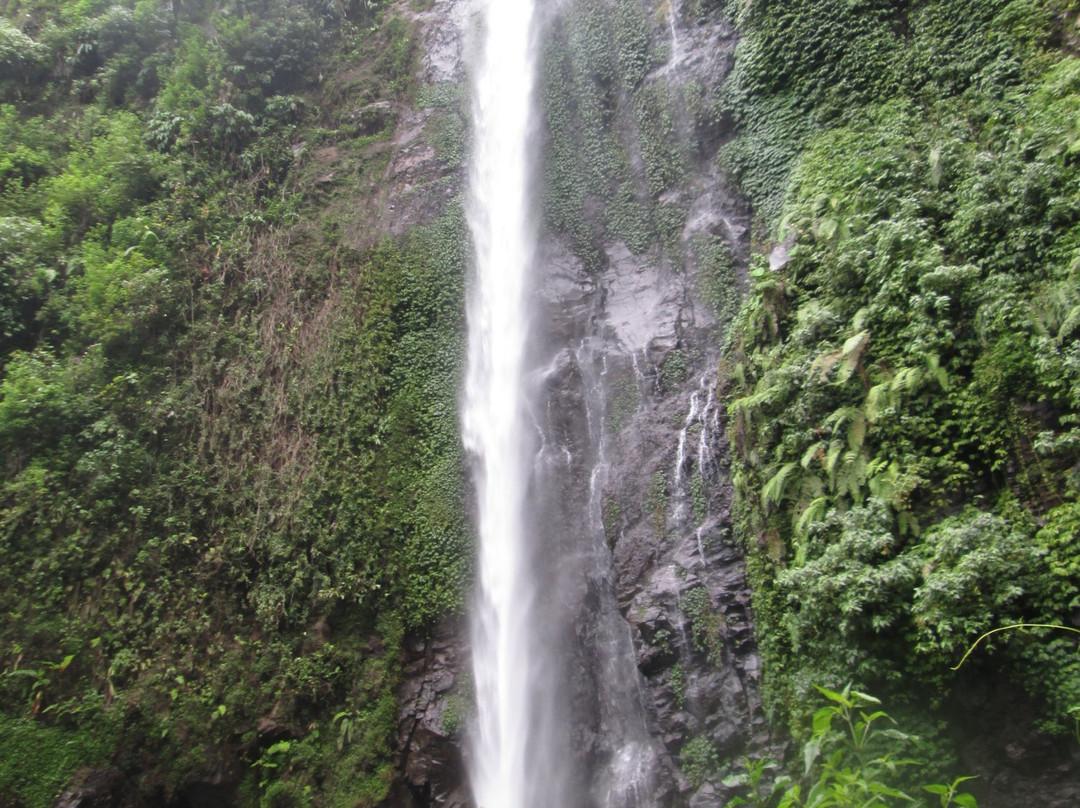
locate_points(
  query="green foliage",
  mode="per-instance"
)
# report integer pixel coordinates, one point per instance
(22, 59)
(698, 761)
(698, 497)
(630, 220)
(632, 46)
(851, 589)
(611, 133)
(854, 756)
(677, 680)
(979, 572)
(1059, 539)
(706, 625)
(38, 760)
(661, 147)
(718, 286)
(656, 501)
(394, 63)
(674, 370)
(223, 425)
(625, 401)
(107, 175)
(816, 63)
(903, 392)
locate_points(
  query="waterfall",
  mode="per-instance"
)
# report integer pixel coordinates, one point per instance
(505, 658)
(561, 714)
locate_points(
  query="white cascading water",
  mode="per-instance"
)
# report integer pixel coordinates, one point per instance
(494, 407)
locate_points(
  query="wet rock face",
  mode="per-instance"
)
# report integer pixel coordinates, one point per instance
(1015, 763)
(100, 788)
(649, 456)
(659, 479)
(422, 175)
(674, 580)
(433, 706)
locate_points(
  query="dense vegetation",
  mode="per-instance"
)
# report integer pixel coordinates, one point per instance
(230, 477)
(904, 390)
(231, 481)
(612, 149)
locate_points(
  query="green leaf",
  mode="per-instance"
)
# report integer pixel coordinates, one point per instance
(907, 379)
(826, 362)
(811, 752)
(852, 352)
(878, 400)
(812, 513)
(822, 721)
(887, 791)
(773, 491)
(827, 228)
(63, 665)
(811, 453)
(832, 695)
(868, 699)
(897, 735)
(857, 432)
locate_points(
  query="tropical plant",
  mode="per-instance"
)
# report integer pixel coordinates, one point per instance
(855, 756)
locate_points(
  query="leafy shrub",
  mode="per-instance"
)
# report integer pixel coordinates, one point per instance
(979, 571)
(852, 757)
(852, 593)
(903, 390)
(698, 761)
(22, 59)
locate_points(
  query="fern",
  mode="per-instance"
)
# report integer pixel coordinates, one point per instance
(815, 452)
(852, 353)
(857, 431)
(772, 493)
(878, 401)
(813, 512)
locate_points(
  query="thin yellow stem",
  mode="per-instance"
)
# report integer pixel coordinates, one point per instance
(1009, 628)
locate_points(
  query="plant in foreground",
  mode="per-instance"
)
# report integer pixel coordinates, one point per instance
(852, 760)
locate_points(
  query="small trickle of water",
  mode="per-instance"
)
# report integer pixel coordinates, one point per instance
(704, 451)
(673, 18)
(699, 537)
(646, 386)
(705, 419)
(595, 414)
(680, 459)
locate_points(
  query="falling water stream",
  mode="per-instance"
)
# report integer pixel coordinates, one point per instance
(494, 407)
(561, 714)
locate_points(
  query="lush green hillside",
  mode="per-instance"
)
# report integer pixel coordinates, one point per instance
(904, 391)
(231, 476)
